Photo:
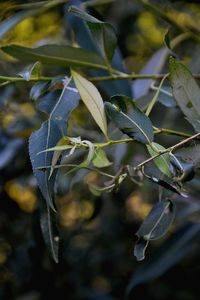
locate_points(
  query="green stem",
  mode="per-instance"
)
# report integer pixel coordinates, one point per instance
(153, 101)
(171, 132)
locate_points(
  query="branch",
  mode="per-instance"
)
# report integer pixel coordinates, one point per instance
(170, 149)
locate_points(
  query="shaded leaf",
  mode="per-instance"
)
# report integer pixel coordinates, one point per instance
(49, 134)
(92, 99)
(140, 248)
(31, 71)
(56, 55)
(49, 230)
(103, 33)
(134, 122)
(156, 224)
(100, 159)
(162, 161)
(166, 97)
(172, 251)
(186, 92)
(38, 89)
(190, 154)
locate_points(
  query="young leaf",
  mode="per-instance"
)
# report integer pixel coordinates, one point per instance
(186, 92)
(48, 135)
(100, 159)
(103, 33)
(92, 99)
(133, 123)
(31, 71)
(162, 161)
(56, 55)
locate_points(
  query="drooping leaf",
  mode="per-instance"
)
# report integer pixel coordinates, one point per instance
(102, 32)
(186, 92)
(156, 224)
(169, 186)
(162, 161)
(169, 254)
(49, 134)
(134, 122)
(56, 55)
(31, 71)
(100, 159)
(49, 230)
(140, 248)
(92, 99)
(183, 171)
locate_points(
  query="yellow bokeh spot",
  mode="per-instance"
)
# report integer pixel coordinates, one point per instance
(25, 197)
(136, 207)
(150, 29)
(72, 211)
(101, 284)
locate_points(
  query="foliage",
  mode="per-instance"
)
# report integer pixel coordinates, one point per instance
(100, 162)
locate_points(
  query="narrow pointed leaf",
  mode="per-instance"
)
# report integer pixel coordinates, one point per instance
(56, 55)
(186, 92)
(140, 248)
(49, 134)
(102, 33)
(134, 122)
(92, 99)
(49, 230)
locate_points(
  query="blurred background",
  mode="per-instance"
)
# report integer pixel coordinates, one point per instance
(97, 231)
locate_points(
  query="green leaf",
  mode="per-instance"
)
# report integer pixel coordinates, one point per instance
(103, 33)
(92, 99)
(31, 71)
(100, 159)
(156, 224)
(186, 92)
(162, 161)
(56, 55)
(134, 122)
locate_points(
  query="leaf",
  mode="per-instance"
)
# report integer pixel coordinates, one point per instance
(156, 224)
(166, 97)
(47, 136)
(92, 99)
(190, 154)
(49, 230)
(100, 159)
(171, 252)
(31, 71)
(140, 248)
(186, 92)
(103, 33)
(153, 66)
(162, 161)
(133, 123)
(39, 89)
(56, 55)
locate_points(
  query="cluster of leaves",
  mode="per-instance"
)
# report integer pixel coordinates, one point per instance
(51, 147)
